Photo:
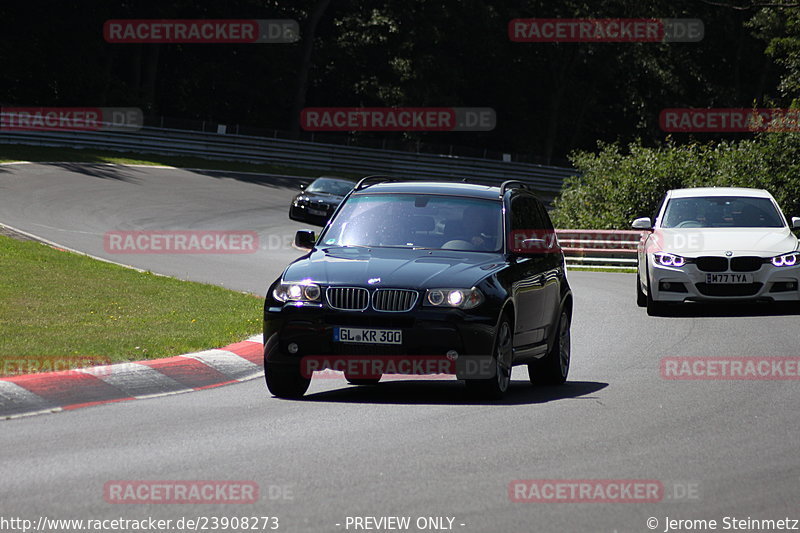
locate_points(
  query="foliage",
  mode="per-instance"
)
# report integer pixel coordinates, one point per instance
(618, 184)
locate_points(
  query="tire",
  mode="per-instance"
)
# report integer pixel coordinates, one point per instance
(495, 387)
(641, 298)
(554, 367)
(654, 308)
(285, 380)
(362, 381)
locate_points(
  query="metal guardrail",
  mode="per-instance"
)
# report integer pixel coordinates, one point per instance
(310, 155)
(606, 248)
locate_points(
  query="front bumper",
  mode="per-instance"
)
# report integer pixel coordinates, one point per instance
(301, 213)
(688, 283)
(425, 332)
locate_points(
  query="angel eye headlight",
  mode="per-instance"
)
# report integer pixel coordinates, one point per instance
(459, 298)
(669, 260)
(303, 291)
(789, 259)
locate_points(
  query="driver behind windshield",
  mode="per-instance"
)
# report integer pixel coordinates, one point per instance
(477, 228)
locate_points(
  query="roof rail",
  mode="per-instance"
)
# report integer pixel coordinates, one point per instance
(508, 184)
(366, 181)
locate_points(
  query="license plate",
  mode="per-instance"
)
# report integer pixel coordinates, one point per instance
(368, 336)
(729, 278)
(317, 212)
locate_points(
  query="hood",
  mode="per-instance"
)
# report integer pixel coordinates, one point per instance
(695, 242)
(396, 267)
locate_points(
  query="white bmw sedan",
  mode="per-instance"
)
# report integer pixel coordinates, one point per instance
(717, 244)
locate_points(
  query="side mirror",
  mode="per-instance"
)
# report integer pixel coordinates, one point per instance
(302, 186)
(305, 239)
(795, 222)
(642, 223)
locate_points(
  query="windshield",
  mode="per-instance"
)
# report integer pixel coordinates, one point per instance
(330, 186)
(721, 212)
(417, 221)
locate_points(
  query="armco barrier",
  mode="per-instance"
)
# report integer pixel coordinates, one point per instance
(587, 247)
(548, 180)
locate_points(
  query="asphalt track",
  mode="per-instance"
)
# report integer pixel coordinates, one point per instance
(410, 448)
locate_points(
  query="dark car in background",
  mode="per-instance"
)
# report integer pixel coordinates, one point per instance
(316, 203)
(413, 269)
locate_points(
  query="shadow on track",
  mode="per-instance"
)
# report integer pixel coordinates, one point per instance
(276, 181)
(720, 310)
(128, 173)
(433, 392)
(99, 170)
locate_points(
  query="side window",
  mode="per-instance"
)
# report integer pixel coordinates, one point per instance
(531, 229)
(548, 224)
(526, 214)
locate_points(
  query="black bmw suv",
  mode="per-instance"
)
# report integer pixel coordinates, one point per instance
(405, 270)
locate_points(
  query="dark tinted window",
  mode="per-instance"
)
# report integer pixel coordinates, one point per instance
(531, 228)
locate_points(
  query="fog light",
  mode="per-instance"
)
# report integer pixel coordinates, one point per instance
(671, 286)
(452, 355)
(293, 348)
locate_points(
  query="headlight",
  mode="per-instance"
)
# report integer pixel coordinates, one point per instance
(460, 298)
(785, 260)
(303, 291)
(669, 260)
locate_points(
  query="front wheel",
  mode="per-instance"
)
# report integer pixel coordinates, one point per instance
(654, 308)
(285, 380)
(495, 387)
(641, 298)
(554, 367)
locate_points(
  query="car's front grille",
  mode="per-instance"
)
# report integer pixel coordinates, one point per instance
(394, 300)
(347, 298)
(746, 264)
(730, 289)
(712, 264)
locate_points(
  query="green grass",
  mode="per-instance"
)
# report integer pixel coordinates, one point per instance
(56, 304)
(10, 153)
